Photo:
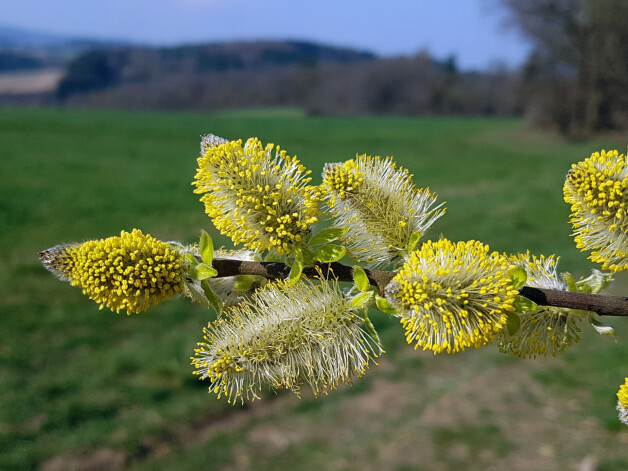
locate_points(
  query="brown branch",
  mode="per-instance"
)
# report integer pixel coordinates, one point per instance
(601, 304)
(274, 270)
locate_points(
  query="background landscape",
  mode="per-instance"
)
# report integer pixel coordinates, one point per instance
(39, 69)
(99, 136)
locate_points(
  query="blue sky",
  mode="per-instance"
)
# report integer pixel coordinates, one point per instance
(473, 30)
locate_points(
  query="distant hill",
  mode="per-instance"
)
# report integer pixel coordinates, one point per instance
(17, 38)
(40, 68)
(318, 79)
(95, 70)
(22, 49)
(260, 54)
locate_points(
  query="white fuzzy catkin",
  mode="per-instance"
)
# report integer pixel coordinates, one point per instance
(544, 330)
(379, 205)
(284, 337)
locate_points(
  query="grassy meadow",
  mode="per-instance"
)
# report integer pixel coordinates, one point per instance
(88, 389)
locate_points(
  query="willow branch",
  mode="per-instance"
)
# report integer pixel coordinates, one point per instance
(274, 270)
(601, 304)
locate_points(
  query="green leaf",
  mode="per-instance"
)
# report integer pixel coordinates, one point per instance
(513, 323)
(571, 283)
(370, 328)
(213, 299)
(298, 254)
(360, 278)
(327, 235)
(275, 257)
(203, 271)
(191, 259)
(414, 239)
(384, 306)
(295, 272)
(330, 253)
(523, 305)
(595, 282)
(243, 282)
(207, 248)
(518, 276)
(307, 256)
(360, 299)
(602, 329)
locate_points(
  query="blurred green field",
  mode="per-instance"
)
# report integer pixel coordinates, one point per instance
(89, 389)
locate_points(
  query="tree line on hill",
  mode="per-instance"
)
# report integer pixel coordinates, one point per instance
(318, 79)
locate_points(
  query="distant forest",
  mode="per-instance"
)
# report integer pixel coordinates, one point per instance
(318, 79)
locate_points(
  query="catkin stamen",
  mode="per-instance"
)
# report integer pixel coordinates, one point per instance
(130, 272)
(452, 296)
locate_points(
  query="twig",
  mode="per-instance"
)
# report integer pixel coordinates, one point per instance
(601, 304)
(274, 270)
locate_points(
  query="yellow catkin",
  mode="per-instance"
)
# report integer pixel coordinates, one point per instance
(544, 330)
(379, 205)
(258, 196)
(596, 190)
(130, 272)
(452, 296)
(342, 180)
(622, 402)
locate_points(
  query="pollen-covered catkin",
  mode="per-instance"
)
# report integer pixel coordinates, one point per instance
(379, 205)
(258, 196)
(284, 337)
(622, 402)
(596, 189)
(452, 296)
(545, 329)
(129, 272)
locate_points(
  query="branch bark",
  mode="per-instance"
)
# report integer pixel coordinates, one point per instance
(274, 270)
(601, 304)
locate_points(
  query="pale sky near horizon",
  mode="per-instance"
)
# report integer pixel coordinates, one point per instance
(472, 30)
